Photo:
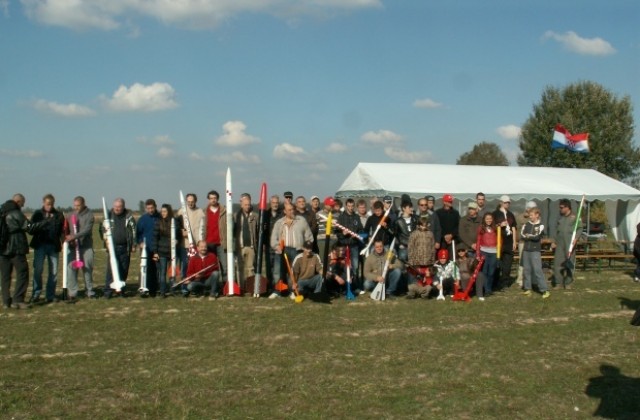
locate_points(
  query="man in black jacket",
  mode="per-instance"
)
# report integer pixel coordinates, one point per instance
(46, 244)
(14, 252)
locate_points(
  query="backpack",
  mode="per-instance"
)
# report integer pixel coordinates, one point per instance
(4, 230)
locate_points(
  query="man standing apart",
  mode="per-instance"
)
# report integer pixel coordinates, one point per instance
(46, 245)
(562, 275)
(123, 231)
(83, 237)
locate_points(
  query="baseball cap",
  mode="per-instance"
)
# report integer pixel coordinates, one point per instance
(447, 198)
(430, 198)
(472, 205)
(329, 201)
(530, 205)
(288, 194)
(388, 199)
(308, 245)
(505, 199)
(314, 197)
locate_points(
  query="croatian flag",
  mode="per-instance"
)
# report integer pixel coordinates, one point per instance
(563, 139)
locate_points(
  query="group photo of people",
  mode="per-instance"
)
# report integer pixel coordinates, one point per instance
(413, 251)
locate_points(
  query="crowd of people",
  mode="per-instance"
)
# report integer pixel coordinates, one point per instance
(420, 252)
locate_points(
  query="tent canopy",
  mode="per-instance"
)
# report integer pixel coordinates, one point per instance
(519, 182)
(465, 181)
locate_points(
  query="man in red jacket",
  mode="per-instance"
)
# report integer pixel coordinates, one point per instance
(205, 270)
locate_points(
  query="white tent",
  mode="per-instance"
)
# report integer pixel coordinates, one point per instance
(520, 183)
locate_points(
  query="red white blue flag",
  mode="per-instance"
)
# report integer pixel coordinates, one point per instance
(563, 139)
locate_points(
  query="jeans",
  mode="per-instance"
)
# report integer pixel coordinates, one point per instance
(532, 263)
(181, 254)
(489, 269)
(123, 259)
(45, 252)
(391, 283)
(314, 283)
(162, 265)
(200, 286)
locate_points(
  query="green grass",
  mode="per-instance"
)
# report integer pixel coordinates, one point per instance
(508, 357)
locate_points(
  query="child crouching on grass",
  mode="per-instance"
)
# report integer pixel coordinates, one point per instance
(531, 234)
(466, 268)
(446, 272)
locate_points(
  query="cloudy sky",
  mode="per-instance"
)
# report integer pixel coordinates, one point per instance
(144, 98)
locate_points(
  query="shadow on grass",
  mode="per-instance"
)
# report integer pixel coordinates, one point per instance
(618, 394)
(629, 303)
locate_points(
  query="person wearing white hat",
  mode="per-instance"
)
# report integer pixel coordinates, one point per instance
(504, 218)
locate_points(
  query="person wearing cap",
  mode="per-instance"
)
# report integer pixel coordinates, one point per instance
(288, 197)
(315, 204)
(449, 219)
(469, 225)
(307, 270)
(388, 205)
(506, 220)
(435, 222)
(522, 219)
(321, 218)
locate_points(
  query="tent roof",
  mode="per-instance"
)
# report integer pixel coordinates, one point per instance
(418, 180)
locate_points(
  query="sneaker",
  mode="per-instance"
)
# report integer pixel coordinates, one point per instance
(481, 299)
(527, 293)
(274, 295)
(21, 305)
(636, 279)
(546, 294)
(72, 300)
(567, 287)
(213, 296)
(292, 296)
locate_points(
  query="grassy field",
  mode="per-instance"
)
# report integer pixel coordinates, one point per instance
(571, 356)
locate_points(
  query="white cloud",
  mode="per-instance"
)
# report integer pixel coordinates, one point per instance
(427, 103)
(286, 151)
(336, 148)
(29, 154)
(399, 154)
(161, 140)
(4, 6)
(63, 110)
(195, 156)
(585, 46)
(509, 132)
(165, 152)
(236, 156)
(138, 97)
(136, 167)
(234, 135)
(194, 14)
(318, 166)
(75, 14)
(381, 137)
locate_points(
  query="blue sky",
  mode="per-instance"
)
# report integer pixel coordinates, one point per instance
(142, 99)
